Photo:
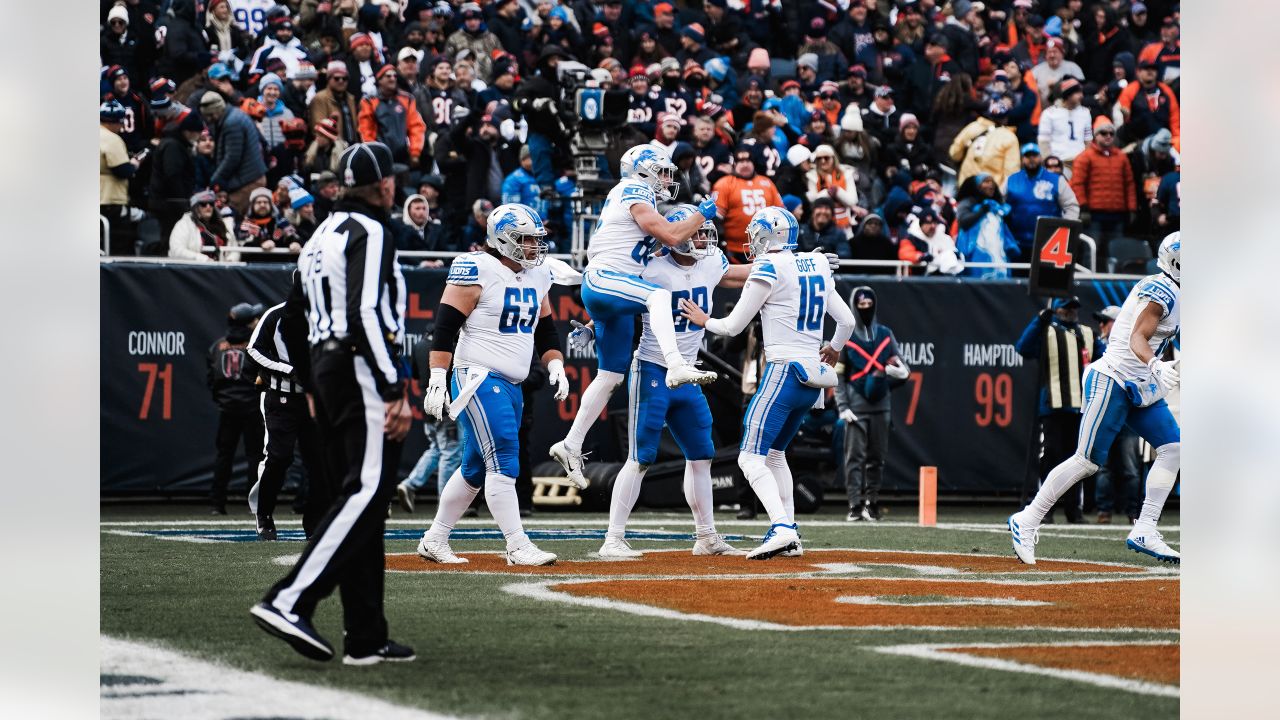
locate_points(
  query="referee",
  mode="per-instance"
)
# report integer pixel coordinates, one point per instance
(356, 302)
(279, 347)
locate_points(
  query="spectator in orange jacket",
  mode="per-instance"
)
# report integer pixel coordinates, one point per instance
(1149, 105)
(738, 197)
(1104, 185)
(391, 117)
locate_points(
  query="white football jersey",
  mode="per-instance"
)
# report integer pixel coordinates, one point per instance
(250, 15)
(1119, 362)
(693, 282)
(498, 334)
(617, 242)
(792, 318)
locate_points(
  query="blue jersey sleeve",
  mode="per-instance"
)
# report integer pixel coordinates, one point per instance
(1157, 292)
(633, 193)
(464, 271)
(764, 271)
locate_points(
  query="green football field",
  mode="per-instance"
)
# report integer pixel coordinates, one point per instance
(877, 620)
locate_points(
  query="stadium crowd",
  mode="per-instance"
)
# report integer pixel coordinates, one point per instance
(921, 130)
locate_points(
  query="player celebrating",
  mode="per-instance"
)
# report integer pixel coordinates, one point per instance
(629, 230)
(498, 298)
(690, 270)
(1125, 387)
(792, 292)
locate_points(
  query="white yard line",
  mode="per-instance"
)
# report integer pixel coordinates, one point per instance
(937, 652)
(145, 681)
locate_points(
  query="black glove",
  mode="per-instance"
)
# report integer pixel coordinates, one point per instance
(1046, 315)
(926, 258)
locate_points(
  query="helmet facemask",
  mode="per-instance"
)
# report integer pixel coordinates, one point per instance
(528, 249)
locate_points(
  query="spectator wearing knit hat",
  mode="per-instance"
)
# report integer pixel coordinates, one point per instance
(118, 44)
(829, 178)
(724, 29)
(855, 90)
(1104, 185)
(239, 166)
(1067, 127)
(270, 89)
(882, 117)
(263, 228)
(391, 117)
(1053, 69)
(475, 36)
(821, 230)
(438, 98)
(301, 214)
(115, 167)
(325, 149)
(831, 60)
(202, 227)
(281, 44)
(223, 31)
(300, 89)
(363, 60)
(664, 27)
(504, 22)
(173, 172)
(693, 45)
(908, 151)
(645, 103)
(852, 35)
(137, 127)
(338, 100)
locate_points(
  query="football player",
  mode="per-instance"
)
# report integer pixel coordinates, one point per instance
(497, 299)
(793, 293)
(629, 230)
(1126, 386)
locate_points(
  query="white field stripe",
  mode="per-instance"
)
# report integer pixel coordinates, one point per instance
(542, 590)
(145, 681)
(936, 652)
(887, 601)
(660, 521)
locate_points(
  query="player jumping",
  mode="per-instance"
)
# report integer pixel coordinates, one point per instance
(629, 230)
(793, 292)
(498, 299)
(691, 270)
(1125, 387)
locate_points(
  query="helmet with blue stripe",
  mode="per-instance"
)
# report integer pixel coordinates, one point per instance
(706, 238)
(651, 165)
(772, 228)
(1169, 256)
(517, 233)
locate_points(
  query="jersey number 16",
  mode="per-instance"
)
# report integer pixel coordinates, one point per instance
(813, 302)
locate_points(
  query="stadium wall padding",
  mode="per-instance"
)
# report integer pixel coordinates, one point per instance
(968, 407)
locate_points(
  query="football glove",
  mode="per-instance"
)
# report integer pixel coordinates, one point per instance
(581, 336)
(1165, 372)
(556, 376)
(437, 394)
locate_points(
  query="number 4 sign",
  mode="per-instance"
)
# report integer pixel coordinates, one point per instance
(1053, 260)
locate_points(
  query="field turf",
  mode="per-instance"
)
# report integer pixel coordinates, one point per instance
(485, 652)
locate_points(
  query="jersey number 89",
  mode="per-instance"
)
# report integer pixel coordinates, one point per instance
(813, 301)
(520, 311)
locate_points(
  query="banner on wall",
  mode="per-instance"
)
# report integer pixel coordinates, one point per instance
(968, 407)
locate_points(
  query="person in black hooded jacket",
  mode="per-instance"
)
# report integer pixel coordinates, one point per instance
(871, 242)
(232, 378)
(173, 173)
(186, 51)
(868, 369)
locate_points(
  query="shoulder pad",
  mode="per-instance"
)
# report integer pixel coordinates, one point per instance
(464, 271)
(1154, 289)
(764, 271)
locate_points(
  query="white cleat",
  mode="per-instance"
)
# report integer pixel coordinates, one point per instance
(779, 539)
(715, 545)
(685, 374)
(1025, 537)
(797, 551)
(1149, 541)
(530, 555)
(571, 462)
(439, 551)
(618, 549)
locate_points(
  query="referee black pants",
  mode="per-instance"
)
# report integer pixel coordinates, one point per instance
(289, 424)
(346, 550)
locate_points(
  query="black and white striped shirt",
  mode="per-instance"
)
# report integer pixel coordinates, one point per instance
(355, 291)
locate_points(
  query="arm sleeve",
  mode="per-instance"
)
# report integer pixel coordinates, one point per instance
(263, 338)
(1028, 346)
(367, 122)
(449, 322)
(1067, 200)
(839, 311)
(1080, 178)
(417, 130)
(233, 151)
(124, 171)
(750, 301)
(368, 260)
(546, 336)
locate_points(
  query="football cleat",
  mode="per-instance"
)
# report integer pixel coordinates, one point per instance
(618, 549)
(1149, 541)
(1025, 537)
(685, 374)
(779, 539)
(797, 551)
(571, 462)
(715, 545)
(265, 528)
(391, 652)
(438, 551)
(530, 555)
(405, 493)
(298, 633)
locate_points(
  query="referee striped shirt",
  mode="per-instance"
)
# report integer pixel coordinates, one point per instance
(355, 291)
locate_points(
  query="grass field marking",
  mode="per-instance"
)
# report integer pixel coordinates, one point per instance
(130, 533)
(946, 601)
(146, 680)
(936, 651)
(544, 590)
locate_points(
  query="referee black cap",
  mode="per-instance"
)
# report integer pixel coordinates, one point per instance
(367, 163)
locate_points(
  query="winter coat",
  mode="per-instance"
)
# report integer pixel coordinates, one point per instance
(1046, 194)
(984, 147)
(237, 152)
(325, 104)
(396, 123)
(186, 52)
(984, 238)
(846, 192)
(187, 238)
(1103, 180)
(831, 239)
(269, 125)
(864, 246)
(173, 173)
(482, 44)
(946, 259)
